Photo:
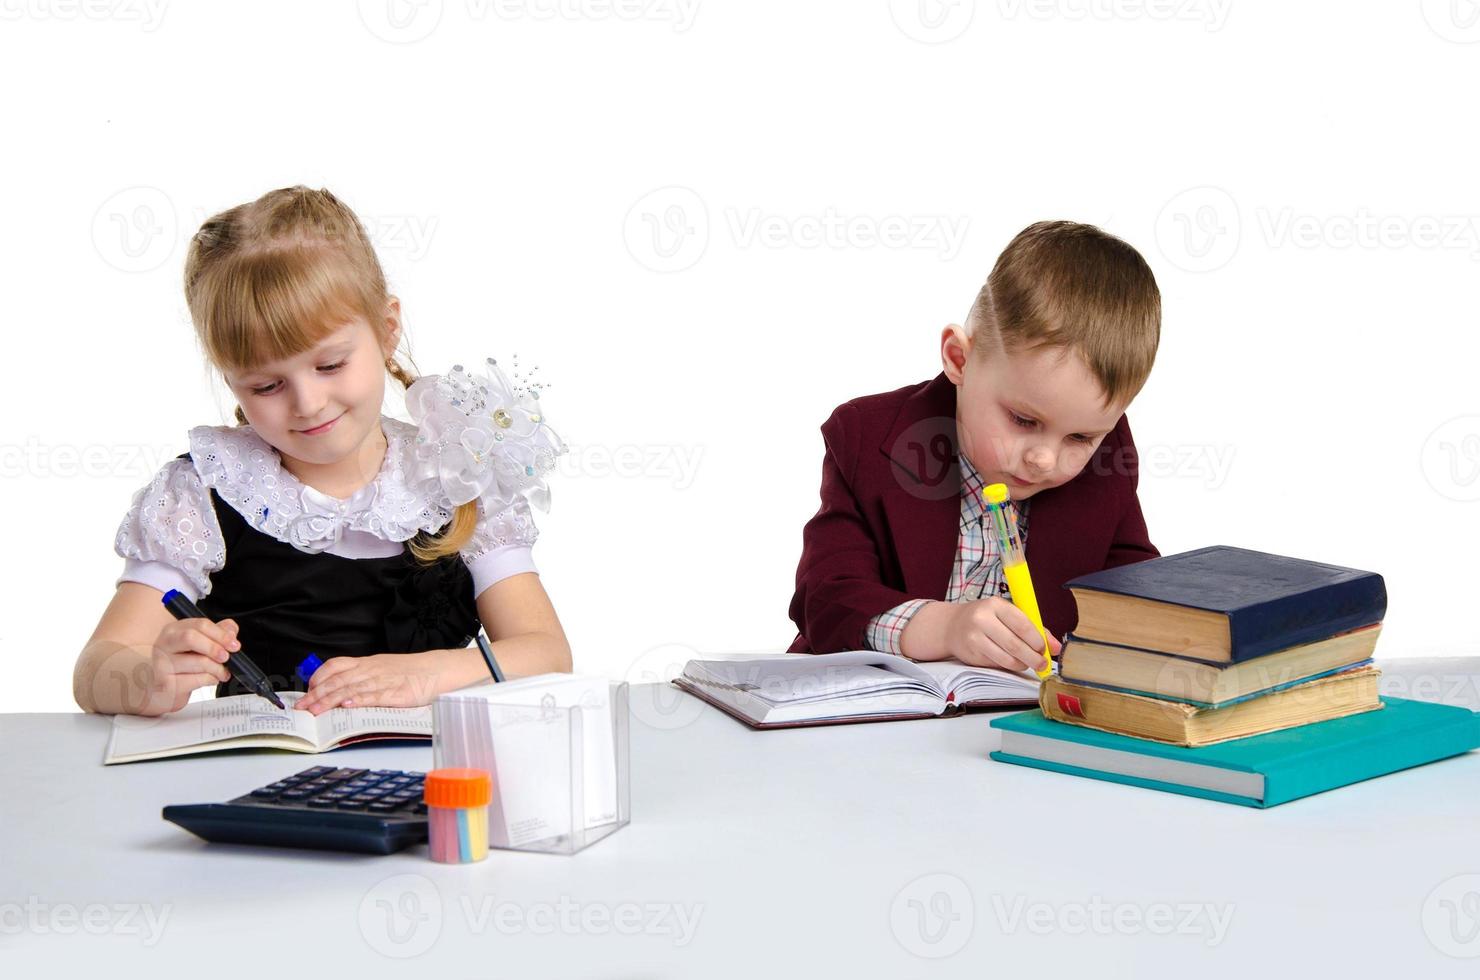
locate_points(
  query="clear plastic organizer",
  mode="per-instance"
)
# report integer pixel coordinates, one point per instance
(556, 746)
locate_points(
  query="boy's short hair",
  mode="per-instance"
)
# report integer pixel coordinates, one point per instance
(1071, 285)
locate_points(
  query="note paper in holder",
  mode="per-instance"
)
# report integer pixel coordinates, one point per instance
(556, 748)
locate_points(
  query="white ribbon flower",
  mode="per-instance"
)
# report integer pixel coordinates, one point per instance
(480, 436)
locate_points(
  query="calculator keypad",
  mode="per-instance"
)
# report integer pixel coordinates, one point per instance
(378, 791)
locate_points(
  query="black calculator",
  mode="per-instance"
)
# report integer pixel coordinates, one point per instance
(372, 811)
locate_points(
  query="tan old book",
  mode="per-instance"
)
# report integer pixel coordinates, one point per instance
(1178, 723)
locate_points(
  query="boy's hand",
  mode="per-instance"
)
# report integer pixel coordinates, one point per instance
(391, 680)
(994, 633)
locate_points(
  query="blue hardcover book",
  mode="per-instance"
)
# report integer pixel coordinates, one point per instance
(1259, 771)
(1223, 604)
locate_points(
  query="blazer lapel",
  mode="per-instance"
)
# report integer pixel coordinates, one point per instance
(923, 508)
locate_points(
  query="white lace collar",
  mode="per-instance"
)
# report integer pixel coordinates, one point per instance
(248, 474)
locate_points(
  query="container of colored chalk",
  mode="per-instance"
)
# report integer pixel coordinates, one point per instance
(457, 814)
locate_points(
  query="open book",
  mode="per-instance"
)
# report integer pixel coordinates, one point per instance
(835, 688)
(248, 721)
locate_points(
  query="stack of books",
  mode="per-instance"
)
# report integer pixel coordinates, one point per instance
(1231, 674)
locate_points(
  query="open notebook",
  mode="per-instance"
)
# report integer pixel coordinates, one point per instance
(246, 721)
(836, 688)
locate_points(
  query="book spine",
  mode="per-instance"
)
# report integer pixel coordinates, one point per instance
(1314, 615)
(1321, 770)
(1161, 696)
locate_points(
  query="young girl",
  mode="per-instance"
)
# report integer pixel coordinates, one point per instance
(317, 525)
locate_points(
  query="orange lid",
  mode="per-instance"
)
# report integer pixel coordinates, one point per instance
(458, 788)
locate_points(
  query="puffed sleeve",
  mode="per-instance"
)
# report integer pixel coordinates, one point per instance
(170, 539)
(501, 544)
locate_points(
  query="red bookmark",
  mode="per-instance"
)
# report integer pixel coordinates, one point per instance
(1069, 705)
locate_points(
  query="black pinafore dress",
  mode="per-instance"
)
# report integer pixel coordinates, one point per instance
(289, 603)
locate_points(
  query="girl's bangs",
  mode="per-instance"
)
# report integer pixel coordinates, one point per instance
(272, 305)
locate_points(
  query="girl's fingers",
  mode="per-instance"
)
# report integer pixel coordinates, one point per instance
(201, 642)
(330, 694)
(198, 664)
(190, 682)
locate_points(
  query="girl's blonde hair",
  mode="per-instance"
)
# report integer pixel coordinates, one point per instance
(270, 279)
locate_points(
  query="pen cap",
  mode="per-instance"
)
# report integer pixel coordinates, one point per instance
(458, 788)
(996, 493)
(310, 664)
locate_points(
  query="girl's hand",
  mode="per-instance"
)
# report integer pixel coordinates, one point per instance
(390, 680)
(187, 653)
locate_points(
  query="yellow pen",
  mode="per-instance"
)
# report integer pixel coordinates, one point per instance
(1015, 563)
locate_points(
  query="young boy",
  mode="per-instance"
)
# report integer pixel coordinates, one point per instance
(1033, 394)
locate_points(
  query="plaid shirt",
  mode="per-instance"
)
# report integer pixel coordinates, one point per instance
(975, 574)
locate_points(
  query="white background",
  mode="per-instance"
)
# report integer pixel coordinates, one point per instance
(682, 212)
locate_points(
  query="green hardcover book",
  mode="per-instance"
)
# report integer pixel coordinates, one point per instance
(1259, 771)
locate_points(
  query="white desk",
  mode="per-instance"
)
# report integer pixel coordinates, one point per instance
(785, 853)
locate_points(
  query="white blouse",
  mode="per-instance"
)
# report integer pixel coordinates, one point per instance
(170, 538)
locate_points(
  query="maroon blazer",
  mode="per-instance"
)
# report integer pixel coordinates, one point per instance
(890, 518)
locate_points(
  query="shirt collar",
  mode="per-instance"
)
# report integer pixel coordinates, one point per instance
(972, 485)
